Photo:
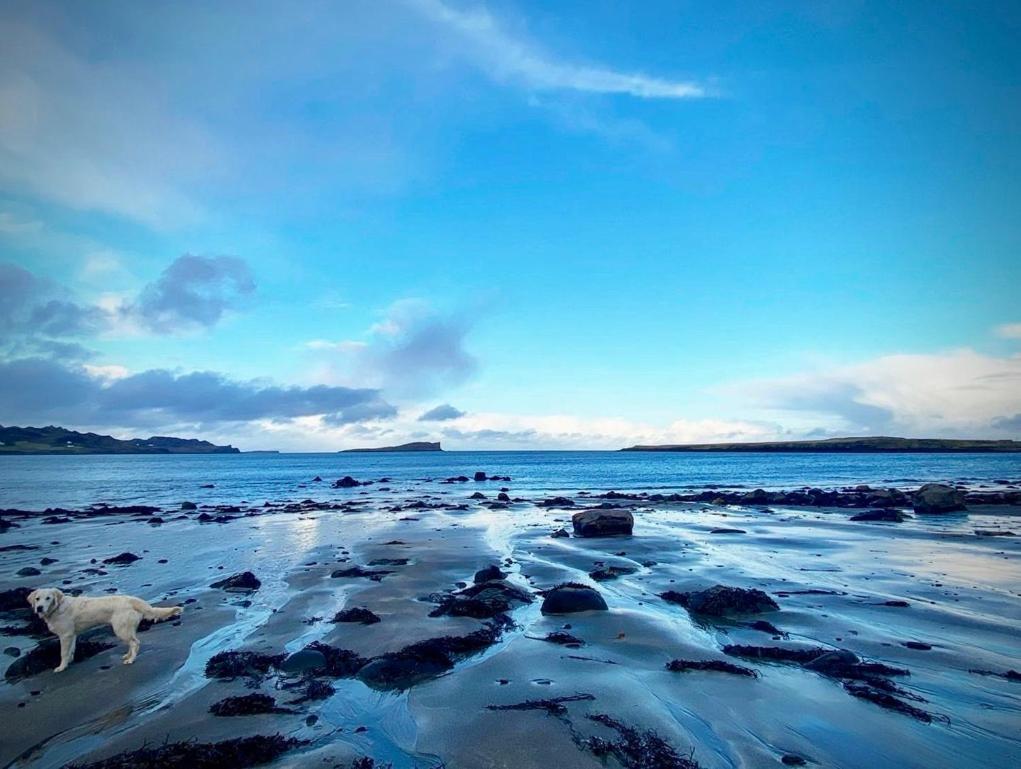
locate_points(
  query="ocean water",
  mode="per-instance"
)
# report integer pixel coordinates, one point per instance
(37, 482)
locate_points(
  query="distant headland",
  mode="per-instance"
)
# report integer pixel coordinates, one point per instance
(59, 440)
(876, 445)
(414, 446)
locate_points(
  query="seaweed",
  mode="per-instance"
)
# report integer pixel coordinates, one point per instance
(241, 664)
(635, 748)
(554, 706)
(719, 666)
(340, 663)
(563, 638)
(886, 700)
(238, 753)
(774, 653)
(247, 705)
(721, 601)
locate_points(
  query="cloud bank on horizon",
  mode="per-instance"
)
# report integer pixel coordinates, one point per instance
(508, 226)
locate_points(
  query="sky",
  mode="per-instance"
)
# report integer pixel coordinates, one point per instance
(518, 225)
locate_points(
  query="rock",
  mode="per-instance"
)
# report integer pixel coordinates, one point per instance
(572, 597)
(304, 661)
(356, 614)
(560, 534)
(937, 498)
(557, 502)
(480, 476)
(29, 571)
(722, 601)
(14, 599)
(888, 515)
(12, 651)
(347, 482)
(123, 559)
(477, 495)
(189, 506)
(792, 760)
(488, 574)
(245, 582)
(563, 638)
(503, 497)
(603, 523)
(610, 572)
(317, 479)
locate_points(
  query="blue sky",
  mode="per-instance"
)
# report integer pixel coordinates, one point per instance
(575, 224)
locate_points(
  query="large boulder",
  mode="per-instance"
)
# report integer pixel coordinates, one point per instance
(603, 523)
(570, 598)
(245, 582)
(938, 498)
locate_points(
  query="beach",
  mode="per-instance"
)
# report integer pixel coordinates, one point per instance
(927, 607)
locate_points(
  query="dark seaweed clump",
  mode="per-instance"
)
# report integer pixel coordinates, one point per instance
(247, 705)
(241, 664)
(722, 601)
(46, 656)
(230, 754)
(340, 663)
(636, 749)
(718, 666)
(563, 638)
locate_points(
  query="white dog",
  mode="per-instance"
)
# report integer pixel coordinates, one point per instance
(67, 616)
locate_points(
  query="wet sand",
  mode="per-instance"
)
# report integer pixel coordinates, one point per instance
(962, 590)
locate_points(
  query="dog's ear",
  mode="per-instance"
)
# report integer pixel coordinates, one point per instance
(58, 597)
(31, 597)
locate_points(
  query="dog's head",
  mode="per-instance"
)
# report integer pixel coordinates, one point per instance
(45, 600)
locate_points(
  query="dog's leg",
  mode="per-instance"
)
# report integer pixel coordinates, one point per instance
(67, 644)
(124, 627)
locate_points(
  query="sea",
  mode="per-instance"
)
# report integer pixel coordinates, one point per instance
(42, 481)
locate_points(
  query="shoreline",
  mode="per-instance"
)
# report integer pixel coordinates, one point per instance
(406, 551)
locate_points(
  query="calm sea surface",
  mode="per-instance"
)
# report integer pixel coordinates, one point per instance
(75, 481)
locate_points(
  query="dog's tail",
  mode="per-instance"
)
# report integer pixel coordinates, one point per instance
(158, 613)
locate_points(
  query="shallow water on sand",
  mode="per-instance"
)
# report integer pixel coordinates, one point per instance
(963, 593)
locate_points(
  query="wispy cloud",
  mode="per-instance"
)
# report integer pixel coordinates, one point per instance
(508, 58)
(1009, 331)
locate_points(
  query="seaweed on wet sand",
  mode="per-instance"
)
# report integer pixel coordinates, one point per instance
(554, 706)
(636, 748)
(246, 705)
(241, 664)
(238, 753)
(886, 700)
(340, 663)
(718, 666)
(46, 656)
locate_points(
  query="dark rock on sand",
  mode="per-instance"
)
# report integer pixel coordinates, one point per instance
(16, 598)
(488, 574)
(46, 656)
(426, 659)
(557, 502)
(356, 614)
(28, 571)
(937, 498)
(887, 515)
(347, 482)
(610, 572)
(718, 666)
(189, 506)
(560, 534)
(792, 760)
(572, 597)
(724, 530)
(722, 601)
(480, 476)
(123, 559)
(245, 582)
(358, 571)
(603, 523)
(239, 753)
(12, 651)
(246, 705)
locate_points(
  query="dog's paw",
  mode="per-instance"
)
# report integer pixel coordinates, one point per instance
(60, 669)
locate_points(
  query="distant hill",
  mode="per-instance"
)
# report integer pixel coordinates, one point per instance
(877, 445)
(58, 440)
(415, 446)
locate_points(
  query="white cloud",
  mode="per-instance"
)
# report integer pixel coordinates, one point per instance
(508, 58)
(958, 393)
(1009, 331)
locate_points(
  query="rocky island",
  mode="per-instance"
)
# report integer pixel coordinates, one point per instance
(413, 446)
(871, 445)
(59, 440)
